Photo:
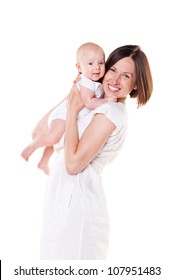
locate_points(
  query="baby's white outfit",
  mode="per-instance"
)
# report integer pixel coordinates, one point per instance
(60, 111)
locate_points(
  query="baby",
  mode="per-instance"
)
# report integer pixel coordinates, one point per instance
(91, 68)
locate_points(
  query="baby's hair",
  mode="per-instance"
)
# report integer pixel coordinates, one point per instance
(86, 46)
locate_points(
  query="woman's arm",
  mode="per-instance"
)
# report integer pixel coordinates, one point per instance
(78, 154)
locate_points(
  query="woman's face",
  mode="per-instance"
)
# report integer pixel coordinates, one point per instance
(120, 79)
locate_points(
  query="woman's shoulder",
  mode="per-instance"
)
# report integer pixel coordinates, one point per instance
(115, 111)
(111, 107)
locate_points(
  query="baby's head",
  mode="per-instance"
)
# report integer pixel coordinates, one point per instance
(90, 61)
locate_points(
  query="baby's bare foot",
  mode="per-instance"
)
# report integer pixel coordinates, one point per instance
(44, 167)
(27, 152)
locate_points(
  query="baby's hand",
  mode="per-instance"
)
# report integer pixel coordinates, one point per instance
(77, 79)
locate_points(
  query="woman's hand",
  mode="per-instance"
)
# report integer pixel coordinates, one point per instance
(74, 101)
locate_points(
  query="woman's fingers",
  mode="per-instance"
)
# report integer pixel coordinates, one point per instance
(74, 100)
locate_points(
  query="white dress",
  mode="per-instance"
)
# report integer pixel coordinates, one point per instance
(75, 217)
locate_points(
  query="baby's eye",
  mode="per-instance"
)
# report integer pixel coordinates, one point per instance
(90, 63)
(102, 63)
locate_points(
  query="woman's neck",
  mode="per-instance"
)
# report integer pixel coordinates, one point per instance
(122, 100)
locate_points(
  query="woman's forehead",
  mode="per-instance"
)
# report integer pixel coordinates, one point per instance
(125, 64)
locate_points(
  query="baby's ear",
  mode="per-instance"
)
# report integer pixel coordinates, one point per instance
(78, 68)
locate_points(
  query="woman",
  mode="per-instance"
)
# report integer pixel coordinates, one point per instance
(75, 220)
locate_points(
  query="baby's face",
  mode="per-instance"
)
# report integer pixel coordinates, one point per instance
(92, 64)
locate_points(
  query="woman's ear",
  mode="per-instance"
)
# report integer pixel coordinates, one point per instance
(135, 87)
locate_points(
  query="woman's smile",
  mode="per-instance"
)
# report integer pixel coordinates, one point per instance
(119, 80)
(113, 89)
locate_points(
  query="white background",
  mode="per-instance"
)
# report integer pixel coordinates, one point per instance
(39, 40)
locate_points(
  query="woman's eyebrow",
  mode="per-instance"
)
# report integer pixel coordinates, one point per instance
(125, 72)
(128, 73)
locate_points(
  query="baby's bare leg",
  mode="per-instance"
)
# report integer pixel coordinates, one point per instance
(43, 164)
(27, 152)
(42, 125)
(52, 137)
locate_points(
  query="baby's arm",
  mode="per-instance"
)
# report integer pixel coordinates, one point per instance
(89, 99)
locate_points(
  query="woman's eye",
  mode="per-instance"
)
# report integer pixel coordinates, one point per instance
(112, 69)
(126, 76)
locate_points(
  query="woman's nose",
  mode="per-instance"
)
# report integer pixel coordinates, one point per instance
(116, 79)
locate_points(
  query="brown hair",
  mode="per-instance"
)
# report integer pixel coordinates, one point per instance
(143, 73)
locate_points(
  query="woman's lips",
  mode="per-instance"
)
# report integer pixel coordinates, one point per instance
(113, 89)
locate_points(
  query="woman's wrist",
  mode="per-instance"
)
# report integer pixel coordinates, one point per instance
(72, 113)
(74, 102)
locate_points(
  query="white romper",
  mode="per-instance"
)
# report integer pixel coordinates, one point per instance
(60, 111)
(75, 217)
